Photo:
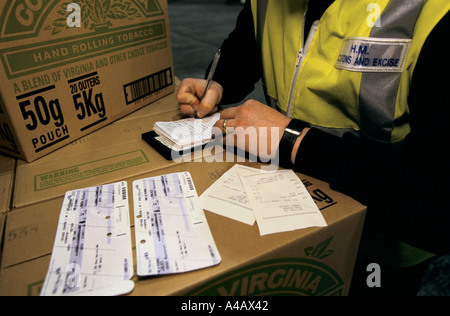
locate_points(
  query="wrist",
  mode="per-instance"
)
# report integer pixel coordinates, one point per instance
(290, 142)
(297, 144)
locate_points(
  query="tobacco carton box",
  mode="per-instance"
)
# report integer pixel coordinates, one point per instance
(313, 261)
(7, 173)
(60, 80)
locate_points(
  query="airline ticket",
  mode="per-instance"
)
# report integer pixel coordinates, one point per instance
(172, 234)
(92, 253)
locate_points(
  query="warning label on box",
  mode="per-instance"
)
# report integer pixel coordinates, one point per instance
(88, 170)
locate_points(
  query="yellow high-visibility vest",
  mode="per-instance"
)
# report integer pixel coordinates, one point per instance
(353, 71)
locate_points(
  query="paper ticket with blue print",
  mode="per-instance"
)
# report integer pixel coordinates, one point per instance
(92, 253)
(172, 234)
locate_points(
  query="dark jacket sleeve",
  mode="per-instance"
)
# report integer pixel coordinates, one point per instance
(406, 186)
(239, 68)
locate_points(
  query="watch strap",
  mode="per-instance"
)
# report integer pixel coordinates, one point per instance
(290, 135)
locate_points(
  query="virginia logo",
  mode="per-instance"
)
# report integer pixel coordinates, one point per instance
(289, 276)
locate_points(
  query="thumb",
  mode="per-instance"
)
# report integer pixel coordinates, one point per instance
(212, 99)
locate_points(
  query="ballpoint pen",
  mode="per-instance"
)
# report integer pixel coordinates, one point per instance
(212, 70)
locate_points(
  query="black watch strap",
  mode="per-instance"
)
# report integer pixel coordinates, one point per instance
(290, 135)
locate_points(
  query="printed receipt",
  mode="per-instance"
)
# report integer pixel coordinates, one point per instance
(172, 234)
(92, 253)
(278, 201)
(227, 196)
(281, 202)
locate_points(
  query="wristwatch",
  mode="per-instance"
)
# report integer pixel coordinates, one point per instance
(290, 135)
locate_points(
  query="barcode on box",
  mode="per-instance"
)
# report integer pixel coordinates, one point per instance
(146, 86)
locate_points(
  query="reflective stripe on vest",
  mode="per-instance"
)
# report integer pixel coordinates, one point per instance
(378, 110)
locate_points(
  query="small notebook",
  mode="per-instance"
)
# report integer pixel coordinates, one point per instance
(174, 138)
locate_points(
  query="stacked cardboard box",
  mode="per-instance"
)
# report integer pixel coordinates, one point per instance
(7, 171)
(314, 261)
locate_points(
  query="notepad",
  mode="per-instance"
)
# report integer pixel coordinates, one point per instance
(186, 133)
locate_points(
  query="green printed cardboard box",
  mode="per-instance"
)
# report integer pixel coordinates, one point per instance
(313, 261)
(69, 68)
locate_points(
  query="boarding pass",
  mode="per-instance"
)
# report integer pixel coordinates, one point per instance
(172, 234)
(92, 253)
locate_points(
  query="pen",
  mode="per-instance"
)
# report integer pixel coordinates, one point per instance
(212, 70)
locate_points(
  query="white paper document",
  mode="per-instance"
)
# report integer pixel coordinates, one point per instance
(187, 132)
(227, 196)
(172, 234)
(277, 201)
(92, 253)
(281, 202)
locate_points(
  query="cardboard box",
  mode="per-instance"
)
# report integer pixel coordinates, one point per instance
(7, 164)
(59, 83)
(314, 261)
(2, 227)
(108, 155)
(7, 170)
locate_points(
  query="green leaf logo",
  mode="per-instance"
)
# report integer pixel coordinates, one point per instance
(99, 15)
(18, 21)
(286, 276)
(320, 251)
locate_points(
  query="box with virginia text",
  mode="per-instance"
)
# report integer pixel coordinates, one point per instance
(67, 69)
(313, 261)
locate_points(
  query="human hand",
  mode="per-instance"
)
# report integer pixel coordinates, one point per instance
(189, 97)
(253, 127)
